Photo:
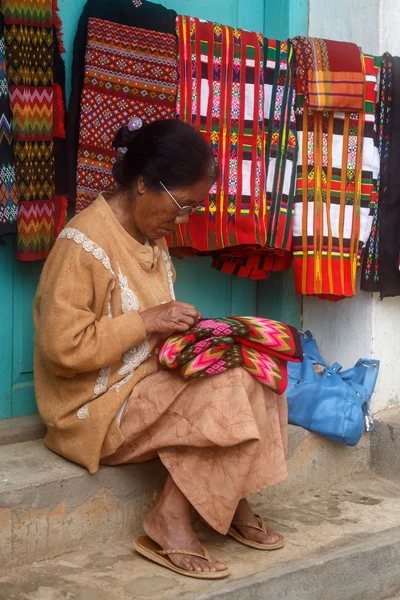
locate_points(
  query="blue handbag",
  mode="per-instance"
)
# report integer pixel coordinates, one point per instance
(326, 400)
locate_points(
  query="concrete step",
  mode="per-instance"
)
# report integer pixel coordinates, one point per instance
(21, 429)
(50, 507)
(341, 544)
(385, 444)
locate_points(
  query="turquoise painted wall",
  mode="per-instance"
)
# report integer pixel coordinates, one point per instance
(214, 293)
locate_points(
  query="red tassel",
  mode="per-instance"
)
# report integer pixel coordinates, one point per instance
(58, 25)
(58, 112)
(60, 214)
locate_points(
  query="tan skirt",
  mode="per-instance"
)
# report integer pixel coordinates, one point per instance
(221, 438)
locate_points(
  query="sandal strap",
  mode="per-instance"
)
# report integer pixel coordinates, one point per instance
(261, 527)
(205, 556)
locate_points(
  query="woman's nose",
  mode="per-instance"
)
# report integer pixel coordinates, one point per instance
(181, 220)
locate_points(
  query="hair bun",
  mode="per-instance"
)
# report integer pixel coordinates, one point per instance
(126, 134)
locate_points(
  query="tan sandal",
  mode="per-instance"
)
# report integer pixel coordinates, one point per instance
(146, 547)
(235, 533)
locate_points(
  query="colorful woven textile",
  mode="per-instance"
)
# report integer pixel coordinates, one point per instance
(260, 346)
(31, 44)
(330, 74)
(8, 188)
(149, 15)
(129, 72)
(221, 93)
(336, 174)
(381, 261)
(281, 142)
(247, 116)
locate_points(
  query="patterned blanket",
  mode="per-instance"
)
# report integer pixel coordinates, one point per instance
(330, 74)
(260, 346)
(33, 50)
(336, 193)
(129, 72)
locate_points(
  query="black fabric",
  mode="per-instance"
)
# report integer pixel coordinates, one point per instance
(148, 16)
(389, 239)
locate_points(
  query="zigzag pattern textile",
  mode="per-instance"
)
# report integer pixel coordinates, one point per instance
(129, 72)
(33, 50)
(336, 191)
(237, 89)
(8, 188)
(261, 346)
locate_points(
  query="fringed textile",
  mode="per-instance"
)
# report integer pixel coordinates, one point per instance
(336, 193)
(129, 72)
(261, 346)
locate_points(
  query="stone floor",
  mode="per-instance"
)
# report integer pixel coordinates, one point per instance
(341, 544)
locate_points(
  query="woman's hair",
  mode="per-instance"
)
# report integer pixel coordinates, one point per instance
(168, 151)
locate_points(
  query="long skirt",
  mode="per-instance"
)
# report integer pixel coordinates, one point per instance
(221, 438)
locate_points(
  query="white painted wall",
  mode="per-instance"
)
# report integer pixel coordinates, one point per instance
(361, 327)
(347, 20)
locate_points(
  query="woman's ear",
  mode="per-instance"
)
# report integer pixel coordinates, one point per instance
(141, 186)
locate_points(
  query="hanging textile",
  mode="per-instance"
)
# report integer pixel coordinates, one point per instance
(8, 188)
(260, 346)
(330, 74)
(280, 177)
(148, 15)
(129, 72)
(221, 93)
(337, 168)
(36, 99)
(236, 88)
(381, 260)
(281, 142)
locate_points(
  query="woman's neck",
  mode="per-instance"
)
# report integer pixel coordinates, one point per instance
(123, 211)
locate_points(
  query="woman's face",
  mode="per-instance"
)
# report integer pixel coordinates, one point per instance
(156, 215)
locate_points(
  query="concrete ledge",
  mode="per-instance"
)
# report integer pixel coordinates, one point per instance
(49, 506)
(385, 444)
(21, 429)
(341, 544)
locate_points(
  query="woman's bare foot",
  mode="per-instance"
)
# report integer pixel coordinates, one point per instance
(245, 513)
(169, 525)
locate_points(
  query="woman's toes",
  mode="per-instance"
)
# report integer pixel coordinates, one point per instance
(220, 566)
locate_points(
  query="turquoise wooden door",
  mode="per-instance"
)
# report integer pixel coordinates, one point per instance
(214, 293)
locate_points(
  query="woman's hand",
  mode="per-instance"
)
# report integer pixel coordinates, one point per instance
(170, 318)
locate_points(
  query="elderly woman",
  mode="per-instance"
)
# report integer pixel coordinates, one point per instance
(105, 301)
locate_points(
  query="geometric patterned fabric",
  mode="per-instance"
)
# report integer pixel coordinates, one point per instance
(261, 346)
(128, 72)
(31, 42)
(8, 188)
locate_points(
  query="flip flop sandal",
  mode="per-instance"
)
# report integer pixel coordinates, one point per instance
(235, 533)
(146, 547)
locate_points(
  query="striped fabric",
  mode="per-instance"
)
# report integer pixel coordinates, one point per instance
(336, 193)
(31, 43)
(221, 93)
(247, 115)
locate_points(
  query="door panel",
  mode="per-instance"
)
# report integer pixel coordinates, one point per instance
(6, 314)
(26, 276)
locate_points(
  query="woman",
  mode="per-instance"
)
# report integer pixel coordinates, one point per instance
(104, 303)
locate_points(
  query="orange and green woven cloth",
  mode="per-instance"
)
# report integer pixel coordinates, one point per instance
(261, 346)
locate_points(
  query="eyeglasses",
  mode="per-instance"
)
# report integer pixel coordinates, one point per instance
(187, 210)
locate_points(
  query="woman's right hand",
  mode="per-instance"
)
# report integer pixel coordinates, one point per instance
(170, 318)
